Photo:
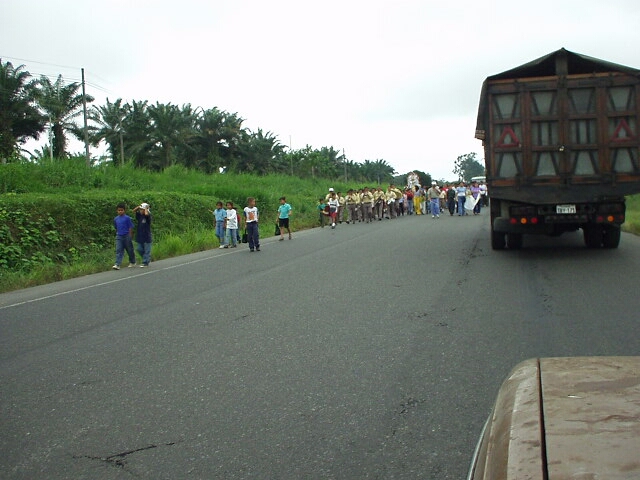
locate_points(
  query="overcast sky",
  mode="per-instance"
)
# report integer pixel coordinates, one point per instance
(393, 80)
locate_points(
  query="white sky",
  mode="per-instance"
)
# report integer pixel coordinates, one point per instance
(394, 80)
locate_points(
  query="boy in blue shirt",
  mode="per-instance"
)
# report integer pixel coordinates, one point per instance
(124, 232)
(284, 210)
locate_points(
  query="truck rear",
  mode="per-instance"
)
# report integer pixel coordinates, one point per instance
(561, 144)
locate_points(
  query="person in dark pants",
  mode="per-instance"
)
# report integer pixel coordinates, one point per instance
(124, 231)
(251, 215)
(451, 199)
(143, 232)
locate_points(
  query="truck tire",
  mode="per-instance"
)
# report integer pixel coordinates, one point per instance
(514, 241)
(593, 235)
(611, 236)
(498, 241)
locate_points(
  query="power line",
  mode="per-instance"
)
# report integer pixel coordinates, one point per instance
(41, 63)
(54, 77)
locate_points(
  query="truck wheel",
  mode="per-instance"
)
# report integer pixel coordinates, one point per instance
(514, 241)
(497, 240)
(593, 235)
(611, 236)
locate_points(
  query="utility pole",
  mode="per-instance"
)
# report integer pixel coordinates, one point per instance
(50, 139)
(121, 146)
(344, 162)
(290, 157)
(86, 132)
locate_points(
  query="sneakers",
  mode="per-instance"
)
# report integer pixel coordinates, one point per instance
(223, 246)
(257, 249)
(116, 267)
(333, 225)
(131, 265)
(144, 265)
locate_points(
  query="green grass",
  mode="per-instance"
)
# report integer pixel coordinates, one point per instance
(57, 216)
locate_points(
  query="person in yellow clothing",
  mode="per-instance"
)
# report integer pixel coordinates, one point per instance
(378, 203)
(366, 201)
(352, 200)
(391, 199)
(416, 200)
(342, 201)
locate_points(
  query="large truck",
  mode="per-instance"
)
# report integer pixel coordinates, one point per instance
(561, 148)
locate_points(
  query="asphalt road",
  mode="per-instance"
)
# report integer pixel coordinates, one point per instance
(368, 351)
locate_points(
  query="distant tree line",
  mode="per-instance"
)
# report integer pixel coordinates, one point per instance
(156, 136)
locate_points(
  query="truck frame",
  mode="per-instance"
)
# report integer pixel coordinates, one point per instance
(560, 137)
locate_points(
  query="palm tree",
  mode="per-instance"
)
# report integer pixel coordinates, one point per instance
(62, 104)
(110, 119)
(19, 116)
(137, 132)
(262, 153)
(172, 126)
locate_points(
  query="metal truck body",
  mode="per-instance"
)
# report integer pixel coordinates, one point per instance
(561, 146)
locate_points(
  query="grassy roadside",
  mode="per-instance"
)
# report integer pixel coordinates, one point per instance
(56, 219)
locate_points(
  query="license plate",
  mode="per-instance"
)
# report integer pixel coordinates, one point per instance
(565, 209)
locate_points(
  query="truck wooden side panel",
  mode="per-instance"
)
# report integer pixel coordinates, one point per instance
(555, 134)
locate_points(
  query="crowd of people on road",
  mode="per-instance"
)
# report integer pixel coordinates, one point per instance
(367, 205)
(364, 205)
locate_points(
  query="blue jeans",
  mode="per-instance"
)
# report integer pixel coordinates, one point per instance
(232, 237)
(253, 234)
(435, 206)
(123, 242)
(478, 206)
(144, 249)
(220, 231)
(461, 206)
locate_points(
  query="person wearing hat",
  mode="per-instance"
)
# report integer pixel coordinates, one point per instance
(328, 196)
(433, 194)
(143, 232)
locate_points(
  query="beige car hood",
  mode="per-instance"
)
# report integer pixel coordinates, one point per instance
(572, 418)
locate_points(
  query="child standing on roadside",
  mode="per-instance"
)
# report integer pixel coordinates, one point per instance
(219, 216)
(124, 231)
(143, 233)
(284, 210)
(251, 224)
(320, 207)
(231, 226)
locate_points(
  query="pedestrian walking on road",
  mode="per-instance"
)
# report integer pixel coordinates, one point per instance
(231, 225)
(219, 216)
(284, 211)
(124, 233)
(251, 216)
(143, 233)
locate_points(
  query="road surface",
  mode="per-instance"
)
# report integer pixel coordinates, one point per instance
(368, 351)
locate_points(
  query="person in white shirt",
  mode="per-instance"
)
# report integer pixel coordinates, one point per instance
(231, 226)
(251, 215)
(334, 203)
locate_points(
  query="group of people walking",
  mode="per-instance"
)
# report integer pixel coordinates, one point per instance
(228, 225)
(367, 205)
(124, 227)
(364, 205)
